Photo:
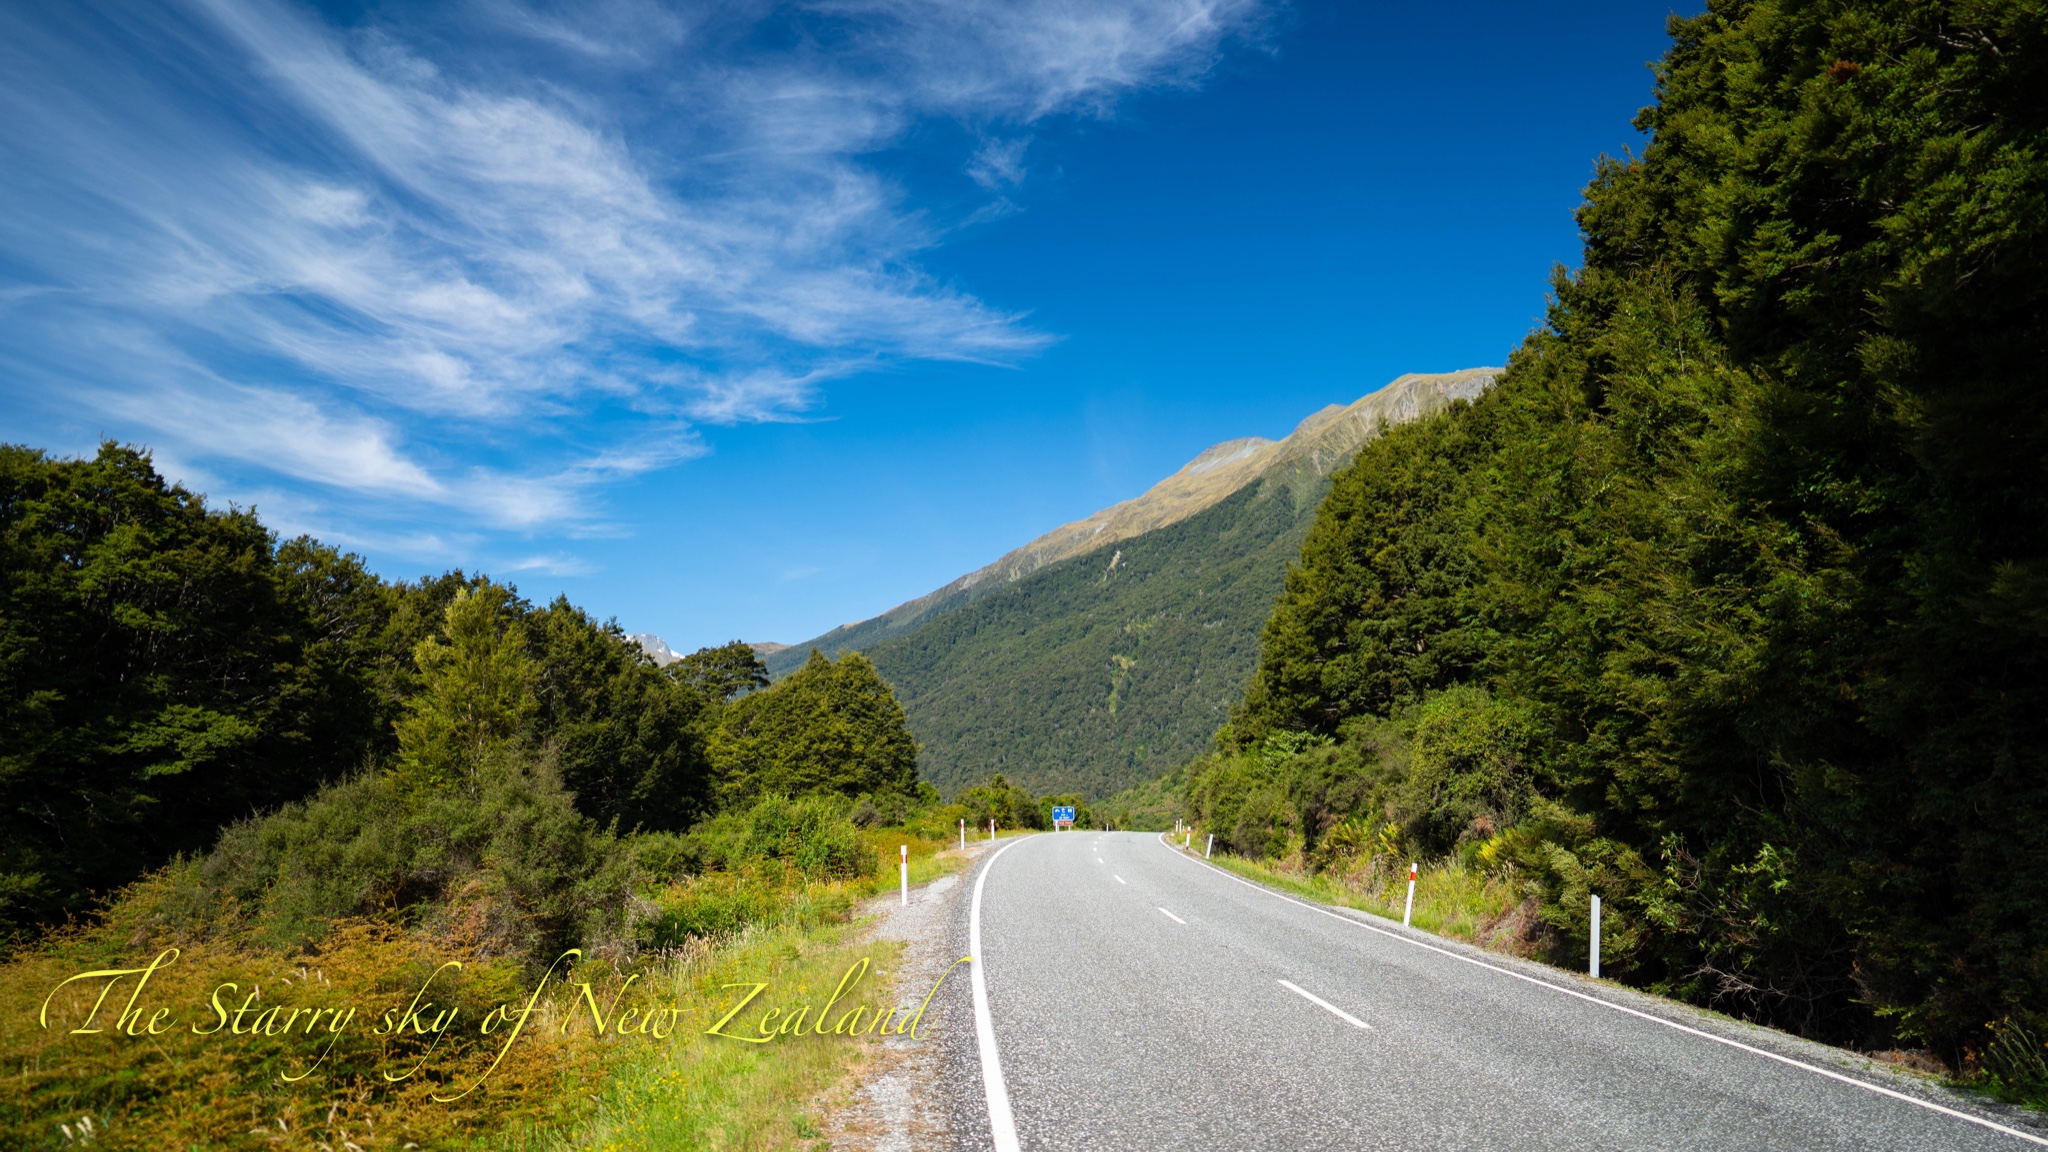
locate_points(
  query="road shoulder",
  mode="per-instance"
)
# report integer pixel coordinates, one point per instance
(896, 1097)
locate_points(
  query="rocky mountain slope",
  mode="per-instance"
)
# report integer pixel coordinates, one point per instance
(656, 648)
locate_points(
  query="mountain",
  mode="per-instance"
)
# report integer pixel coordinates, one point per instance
(1110, 649)
(1317, 446)
(656, 648)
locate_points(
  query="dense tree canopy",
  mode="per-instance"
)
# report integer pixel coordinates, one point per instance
(723, 672)
(167, 669)
(629, 738)
(832, 725)
(164, 667)
(1754, 533)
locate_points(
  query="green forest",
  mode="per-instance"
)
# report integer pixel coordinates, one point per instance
(1104, 669)
(1729, 603)
(170, 669)
(256, 755)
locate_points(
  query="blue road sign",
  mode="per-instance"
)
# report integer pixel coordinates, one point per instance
(1066, 814)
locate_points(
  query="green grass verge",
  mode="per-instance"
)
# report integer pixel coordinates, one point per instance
(1450, 900)
(698, 1091)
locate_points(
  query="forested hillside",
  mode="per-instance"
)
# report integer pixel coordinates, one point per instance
(1106, 668)
(1729, 603)
(1317, 445)
(1108, 650)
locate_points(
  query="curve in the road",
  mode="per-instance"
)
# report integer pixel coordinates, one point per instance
(1002, 1125)
(1003, 1120)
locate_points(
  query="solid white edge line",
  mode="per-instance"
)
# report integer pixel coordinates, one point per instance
(1325, 1005)
(1672, 1024)
(1172, 917)
(1002, 1126)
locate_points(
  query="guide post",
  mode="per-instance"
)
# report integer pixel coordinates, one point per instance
(1593, 950)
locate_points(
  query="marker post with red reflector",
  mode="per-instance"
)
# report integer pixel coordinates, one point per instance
(1409, 913)
(903, 855)
(963, 833)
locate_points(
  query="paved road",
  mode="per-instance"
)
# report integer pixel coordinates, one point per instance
(1137, 1002)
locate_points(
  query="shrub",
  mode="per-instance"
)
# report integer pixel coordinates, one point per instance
(509, 866)
(711, 906)
(811, 834)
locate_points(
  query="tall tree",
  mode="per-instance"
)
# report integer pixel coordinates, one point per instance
(832, 725)
(475, 704)
(628, 738)
(1756, 531)
(164, 668)
(723, 672)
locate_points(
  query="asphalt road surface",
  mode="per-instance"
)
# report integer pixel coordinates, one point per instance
(1139, 999)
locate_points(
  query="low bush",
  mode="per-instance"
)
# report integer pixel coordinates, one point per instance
(507, 865)
(811, 834)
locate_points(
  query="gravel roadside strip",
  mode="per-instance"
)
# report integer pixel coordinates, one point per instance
(908, 1093)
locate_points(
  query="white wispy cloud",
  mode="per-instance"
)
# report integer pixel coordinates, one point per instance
(551, 564)
(499, 269)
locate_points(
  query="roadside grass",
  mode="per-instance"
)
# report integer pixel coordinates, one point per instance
(928, 858)
(1451, 900)
(698, 1091)
(179, 1089)
(561, 1086)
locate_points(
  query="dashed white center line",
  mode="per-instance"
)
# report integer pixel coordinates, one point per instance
(1172, 917)
(1319, 1002)
(1121, 880)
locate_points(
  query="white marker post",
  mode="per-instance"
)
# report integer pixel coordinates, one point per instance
(1593, 956)
(1409, 913)
(1211, 847)
(963, 833)
(991, 831)
(903, 855)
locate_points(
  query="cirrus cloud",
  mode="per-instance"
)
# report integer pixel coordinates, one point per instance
(494, 258)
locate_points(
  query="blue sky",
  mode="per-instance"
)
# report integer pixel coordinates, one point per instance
(750, 320)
